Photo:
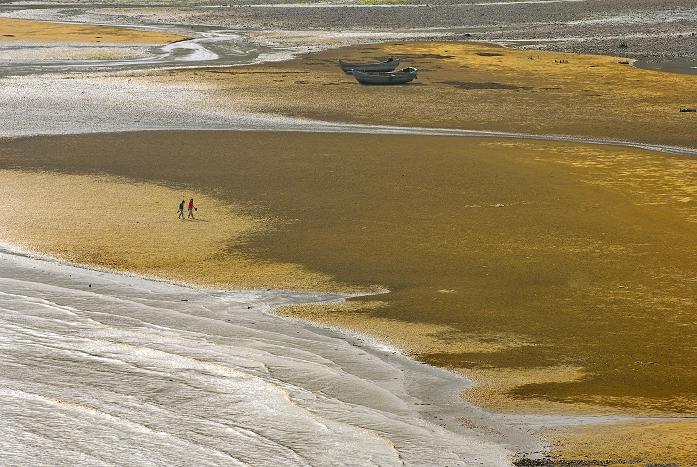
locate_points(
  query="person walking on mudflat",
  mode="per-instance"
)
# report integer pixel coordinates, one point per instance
(191, 208)
(181, 210)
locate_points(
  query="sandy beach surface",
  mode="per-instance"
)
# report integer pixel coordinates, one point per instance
(14, 30)
(474, 86)
(557, 273)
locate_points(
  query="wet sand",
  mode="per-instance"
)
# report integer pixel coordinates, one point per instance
(113, 223)
(472, 86)
(13, 30)
(567, 268)
(560, 276)
(32, 47)
(104, 368)
(664, 443)
(648, 28)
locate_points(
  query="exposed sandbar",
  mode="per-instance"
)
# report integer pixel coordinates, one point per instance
(43, 31)
(647, 442)
(472, 86)
(117, 224)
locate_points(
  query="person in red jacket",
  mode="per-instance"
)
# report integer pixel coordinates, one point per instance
(191, 208)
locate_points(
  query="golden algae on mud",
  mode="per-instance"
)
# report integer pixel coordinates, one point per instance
(648, 442)
(570, 268)
(473, 86)
(113, 223)
(12, 29)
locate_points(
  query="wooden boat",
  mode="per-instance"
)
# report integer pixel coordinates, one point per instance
(388, 65)
(393, 77)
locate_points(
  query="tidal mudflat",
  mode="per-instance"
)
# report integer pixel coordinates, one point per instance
(473, 86)
(554, 274)
(602, 239)
(558, 275)
(104, 368)
(15, 30)
(45, 43)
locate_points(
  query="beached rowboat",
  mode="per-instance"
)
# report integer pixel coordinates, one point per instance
(388, 65)
(394, 77)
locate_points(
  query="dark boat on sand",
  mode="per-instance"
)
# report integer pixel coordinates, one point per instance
(387, 65)
(393, 77)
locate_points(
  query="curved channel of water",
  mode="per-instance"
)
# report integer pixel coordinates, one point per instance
(211, 47)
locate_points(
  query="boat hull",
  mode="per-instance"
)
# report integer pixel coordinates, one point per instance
(398, 77)
(387, 65)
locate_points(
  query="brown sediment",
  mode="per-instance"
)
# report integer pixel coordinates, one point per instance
(560, 276)
(426, 337)
(473, 86)
(652, 442)
(43, 31)
(566, 271)
(113, 223)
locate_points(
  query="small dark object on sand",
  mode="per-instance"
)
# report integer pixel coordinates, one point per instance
(686, 109)
(402, 76)
(623, 62)
(623, 45)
